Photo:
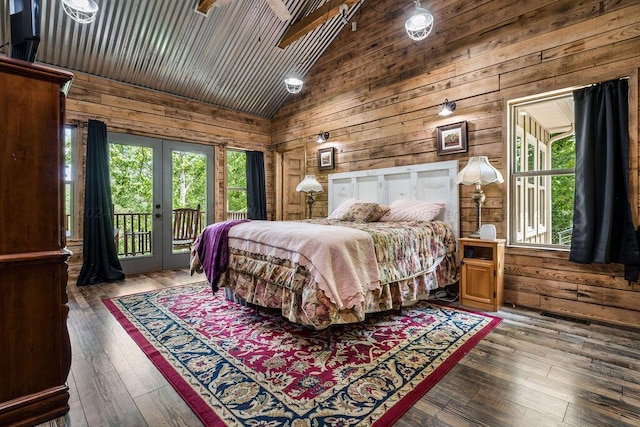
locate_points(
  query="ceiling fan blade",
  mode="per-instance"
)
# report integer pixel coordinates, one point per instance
(279, 9)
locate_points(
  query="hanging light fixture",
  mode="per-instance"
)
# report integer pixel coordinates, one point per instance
(293, 84)
(448, 107)
(322, 137)
(82, 11)
(420, 24)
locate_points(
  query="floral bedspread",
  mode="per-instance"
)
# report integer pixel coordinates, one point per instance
(412, 257)
(405, 249)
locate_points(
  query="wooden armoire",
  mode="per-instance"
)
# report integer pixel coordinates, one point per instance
(35, 352)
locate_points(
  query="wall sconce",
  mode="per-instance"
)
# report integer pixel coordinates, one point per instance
(322, 137)
(293, 84)
(448, 107)
(420, 24)
(309, 185)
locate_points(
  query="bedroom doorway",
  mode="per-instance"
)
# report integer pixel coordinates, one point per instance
(162, 194)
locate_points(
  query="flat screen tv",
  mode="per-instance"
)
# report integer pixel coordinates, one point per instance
(25, 28)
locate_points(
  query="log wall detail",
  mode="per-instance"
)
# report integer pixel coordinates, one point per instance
(378, 94)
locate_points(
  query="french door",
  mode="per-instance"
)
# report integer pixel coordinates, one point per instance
(149, 179)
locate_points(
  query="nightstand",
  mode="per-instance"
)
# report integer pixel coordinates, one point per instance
(481, 273)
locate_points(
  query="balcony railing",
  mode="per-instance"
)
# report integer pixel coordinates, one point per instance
(236, 215)
(132, 231)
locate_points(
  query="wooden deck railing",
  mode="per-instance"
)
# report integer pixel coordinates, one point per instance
(132, 231)
(236, 215)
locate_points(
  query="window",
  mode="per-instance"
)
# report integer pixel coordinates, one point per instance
(236, 184)
(542, 170)
(70, 177)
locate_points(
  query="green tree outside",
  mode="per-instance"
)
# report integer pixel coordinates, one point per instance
(132, 179)
(131, 170)
(563, 156)
(236, 181)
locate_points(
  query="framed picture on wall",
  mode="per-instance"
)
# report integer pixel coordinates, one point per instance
(451, 138)
(325, 158)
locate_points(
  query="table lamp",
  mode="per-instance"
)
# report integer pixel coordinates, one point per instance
(309, 185)
(478, 172)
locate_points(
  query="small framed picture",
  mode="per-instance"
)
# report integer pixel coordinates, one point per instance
(325, 158)
(451, 138)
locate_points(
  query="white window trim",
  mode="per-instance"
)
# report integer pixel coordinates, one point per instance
(514, 235)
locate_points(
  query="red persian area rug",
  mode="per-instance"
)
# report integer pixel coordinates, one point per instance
(237, 366)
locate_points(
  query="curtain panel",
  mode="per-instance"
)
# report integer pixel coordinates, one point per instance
(101, 262)
(603, 230)
(256, 187)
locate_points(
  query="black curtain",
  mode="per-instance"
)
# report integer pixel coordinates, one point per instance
(603, 230)
(256, 188)
(101, 262)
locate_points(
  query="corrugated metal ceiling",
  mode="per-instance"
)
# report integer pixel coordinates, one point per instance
(228, 58)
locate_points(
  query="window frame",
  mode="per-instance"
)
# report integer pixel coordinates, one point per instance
(227, 187)
(72, 182)
(514, 234)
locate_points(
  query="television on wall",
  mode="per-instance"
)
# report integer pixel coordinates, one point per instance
(25, 28)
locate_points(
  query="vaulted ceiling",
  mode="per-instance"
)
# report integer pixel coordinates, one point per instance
(230, 57)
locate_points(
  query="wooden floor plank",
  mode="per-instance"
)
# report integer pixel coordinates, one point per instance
(532, 370)
(164, 407)
(534, 418)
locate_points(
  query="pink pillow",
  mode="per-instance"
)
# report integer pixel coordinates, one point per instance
(412, 210)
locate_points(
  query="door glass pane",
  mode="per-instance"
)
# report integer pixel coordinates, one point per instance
(188, 196)
(531, 154)
(131, 169)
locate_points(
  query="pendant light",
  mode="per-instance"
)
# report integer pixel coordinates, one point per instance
(82, 11)
(420, 24)
(293, 83)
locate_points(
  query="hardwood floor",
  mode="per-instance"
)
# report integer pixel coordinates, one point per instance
(532, 370)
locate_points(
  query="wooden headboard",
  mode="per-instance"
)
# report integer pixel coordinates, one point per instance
(432, 182)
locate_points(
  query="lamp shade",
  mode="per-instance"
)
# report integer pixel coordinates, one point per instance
(309, 184)
(478, 171)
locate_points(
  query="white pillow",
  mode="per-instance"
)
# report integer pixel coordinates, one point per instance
(342, 208)
(412, 210)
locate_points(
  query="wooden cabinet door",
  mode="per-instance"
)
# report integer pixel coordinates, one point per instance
(478, 282)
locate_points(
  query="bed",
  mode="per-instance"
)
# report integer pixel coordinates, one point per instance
(389, 241)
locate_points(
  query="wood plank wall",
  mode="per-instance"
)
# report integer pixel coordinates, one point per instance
(133, 110)
(378, 94)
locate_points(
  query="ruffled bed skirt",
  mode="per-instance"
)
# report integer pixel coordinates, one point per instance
(303, 303)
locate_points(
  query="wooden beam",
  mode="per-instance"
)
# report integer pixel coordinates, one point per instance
(310, 22)
(204, 6)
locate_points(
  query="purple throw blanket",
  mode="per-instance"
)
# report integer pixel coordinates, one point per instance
(213, 249)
